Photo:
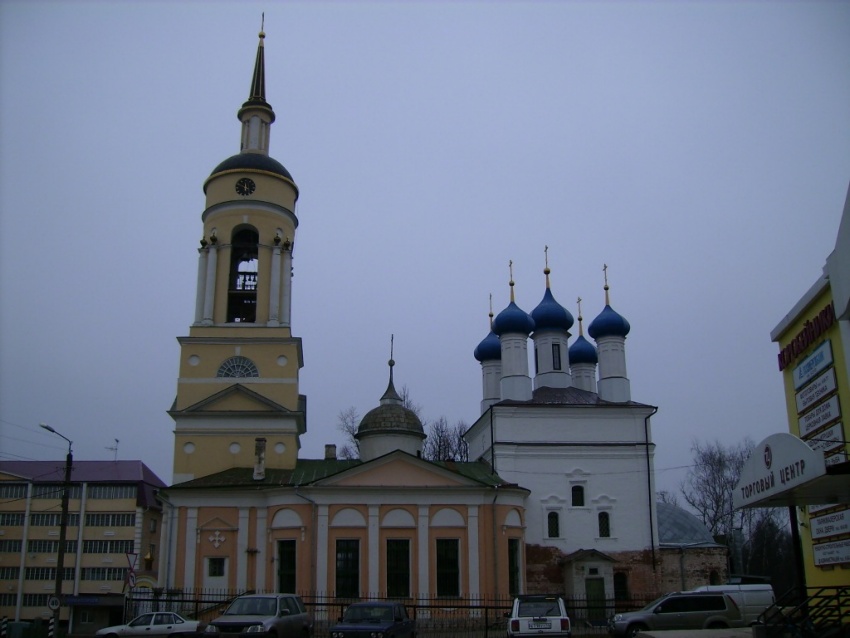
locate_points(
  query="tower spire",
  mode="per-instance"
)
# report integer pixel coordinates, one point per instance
(391, 396)
(256, 114)
(546, 270)
(580, 329)
(605, 274)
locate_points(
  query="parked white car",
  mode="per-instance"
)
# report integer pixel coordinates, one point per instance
(159, 623)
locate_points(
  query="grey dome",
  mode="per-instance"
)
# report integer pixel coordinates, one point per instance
(390, 418)
(679, 527)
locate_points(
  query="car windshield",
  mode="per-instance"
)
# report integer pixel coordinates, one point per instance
(251, 607)
(536, 608)
(365, 613)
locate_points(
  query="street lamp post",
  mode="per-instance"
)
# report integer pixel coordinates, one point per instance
(63, 527)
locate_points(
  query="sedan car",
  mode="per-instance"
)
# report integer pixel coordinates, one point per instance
(276, 615)
(375, 620)
(539, 615)
(160, 623)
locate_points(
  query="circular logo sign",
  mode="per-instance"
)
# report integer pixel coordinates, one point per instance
(768, 456)
(53, 603)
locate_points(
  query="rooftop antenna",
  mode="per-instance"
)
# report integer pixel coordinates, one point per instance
(114, 448)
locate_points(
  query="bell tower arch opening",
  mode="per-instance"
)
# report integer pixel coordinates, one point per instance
(242, 283)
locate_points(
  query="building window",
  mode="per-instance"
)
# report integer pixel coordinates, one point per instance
(577, 496)
(448, 567)
(398, 568)
(152, 526)
(621, 586)
(238, 367)
(216, 567)
(242, 286)
(11, 546)
(286, 573)
(110, 520)
(553, 525)
(107, 547)
(101, 573)
(513, 567)
(13, 490)
(536, 366)
(10, 573)
(556, 356)
(604, 525)
(112, 491)
(348, 568)
(12, 519)
(86, 616)
(53, 520)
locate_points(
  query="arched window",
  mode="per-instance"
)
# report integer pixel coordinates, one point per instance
(578, 496)
(553, 525)
(604, 525)
(713, 577)
(242, 285)
(621, 586)
(238, 367)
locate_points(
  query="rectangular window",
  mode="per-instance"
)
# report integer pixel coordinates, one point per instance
(10, 573)
(216, 567)
(556, 356)
(448, 567)
(107, 547)
(34, 600)
(54, 490)
(110, 520)
(103, 573)
(513, 566)
(398, 568)
(12, 519)
(13, 490)
(112, 492)
(50, 547)
(11, 546)
(152, 526)
(53, 520)
(536, 370)
(348, 568)
(604, 525)
(286, 574)
(47, 573)
(577, 496)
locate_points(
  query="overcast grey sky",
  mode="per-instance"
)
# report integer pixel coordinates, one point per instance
(700, 149)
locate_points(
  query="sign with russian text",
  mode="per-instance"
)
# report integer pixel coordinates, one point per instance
(777, 465)
(833, 553)
(827, 439)
(811, 366)
(816, 390)
(831, 524)
(835, 459)
(820, 415)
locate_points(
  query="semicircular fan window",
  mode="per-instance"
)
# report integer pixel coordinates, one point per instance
(238, 367)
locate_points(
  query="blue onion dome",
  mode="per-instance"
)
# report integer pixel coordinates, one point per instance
(608, 323)
(582, 351)
(513, 319)
(490, 348)
(549, 314)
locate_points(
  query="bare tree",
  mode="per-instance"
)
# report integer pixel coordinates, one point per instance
(759, 540)
(347, 422)
(668, 497)
(407, 402)
(445, 442)
(710, 481)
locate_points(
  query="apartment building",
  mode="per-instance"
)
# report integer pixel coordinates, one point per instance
(113, 525)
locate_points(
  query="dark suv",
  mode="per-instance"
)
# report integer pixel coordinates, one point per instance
(680, 610)
(277, 615)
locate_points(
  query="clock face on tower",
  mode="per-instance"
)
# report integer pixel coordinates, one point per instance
(245, 186)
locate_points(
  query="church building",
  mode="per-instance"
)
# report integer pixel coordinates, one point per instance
(557, 495)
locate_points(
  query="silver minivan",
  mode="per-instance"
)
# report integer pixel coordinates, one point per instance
(680, 610)
(753, 600)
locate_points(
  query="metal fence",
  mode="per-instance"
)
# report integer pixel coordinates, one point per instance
(435, 617)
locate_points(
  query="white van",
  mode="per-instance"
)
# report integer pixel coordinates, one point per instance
(751, 599)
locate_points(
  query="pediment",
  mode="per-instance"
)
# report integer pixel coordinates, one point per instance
(235, 398)
(398, 469)
(216, 523)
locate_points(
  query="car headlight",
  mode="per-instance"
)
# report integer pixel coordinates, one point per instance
(255, 629)
(617, 617)
(211, 629)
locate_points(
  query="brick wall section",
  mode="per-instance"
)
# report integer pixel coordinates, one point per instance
(545, 573)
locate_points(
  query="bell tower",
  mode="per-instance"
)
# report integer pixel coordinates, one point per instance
(239, 365)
